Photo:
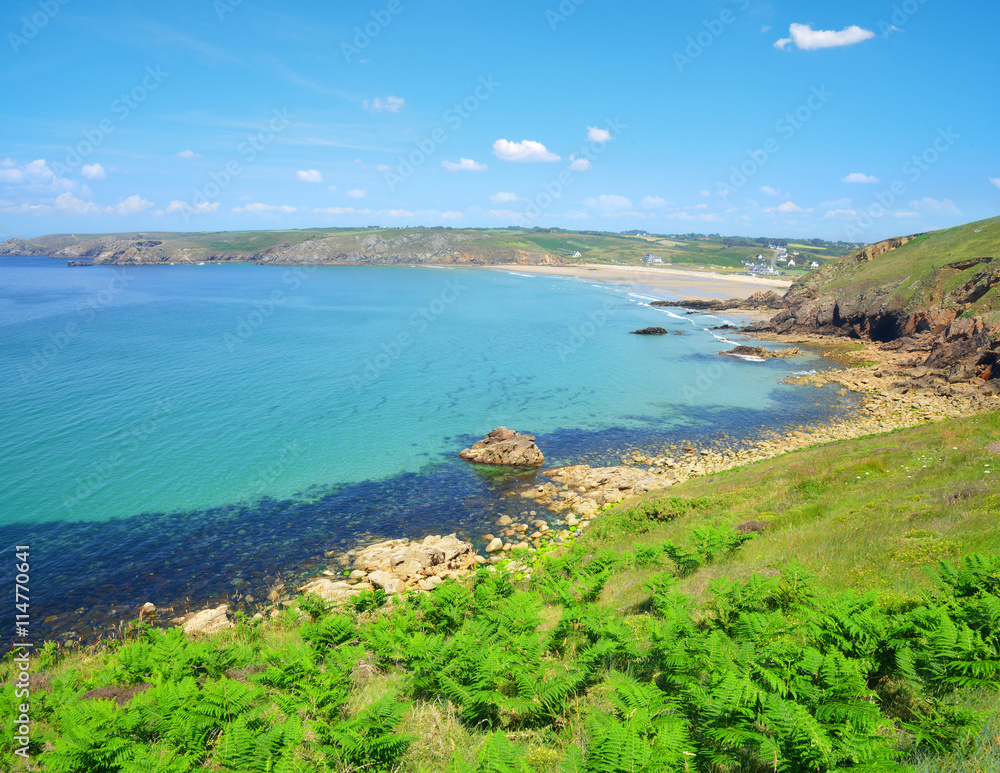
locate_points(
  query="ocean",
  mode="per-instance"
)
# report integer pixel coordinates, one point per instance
(184, 434)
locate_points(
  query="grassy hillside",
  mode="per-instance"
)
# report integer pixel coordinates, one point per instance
(913, 269)
(691, 250)
(664, 639)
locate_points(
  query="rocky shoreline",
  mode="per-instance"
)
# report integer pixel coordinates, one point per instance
(893, 391)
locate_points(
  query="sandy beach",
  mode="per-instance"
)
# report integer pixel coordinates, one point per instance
(666, 283)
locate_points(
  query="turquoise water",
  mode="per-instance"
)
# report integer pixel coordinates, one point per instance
(187, 430)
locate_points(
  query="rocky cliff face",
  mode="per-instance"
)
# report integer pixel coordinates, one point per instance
(936, 324)
(20, 247)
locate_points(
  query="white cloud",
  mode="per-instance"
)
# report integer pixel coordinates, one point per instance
(705, 193)
(934, 206)
(93, 171)
(808, 39)
(257, 208)
(859, 177)
(598, 135)
(767, 190)
(906, 214)
(309, 176)
(765, 28)
(202, 208)
(580, 164)
(787, 208)
(503, 197)
(464, 165)
(841, 213)
(67, 202)
(697, 206)
(131, 205)
(36, 176)
(995, 181)
(357, 193)
(654, 202)
(608, 203)
(390, 103)
(525, 151)
(399, 213)
(332, 188)
(187, 154)
(383, 168)
(451, 215)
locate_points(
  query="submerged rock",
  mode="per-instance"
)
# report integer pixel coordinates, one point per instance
(507, 447)
(650, 331)
(760, 351)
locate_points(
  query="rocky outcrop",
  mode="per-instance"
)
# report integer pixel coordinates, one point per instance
(584, 489)
(761, 352)
(650, 331)
(21, 247)
(208, 621)
(399, 564)
(929, 314)
(762, 300)
(507, 447)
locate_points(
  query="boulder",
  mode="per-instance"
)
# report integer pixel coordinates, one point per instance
(385, 581)
(495, 545)
(506, 447)
(208, 621)
(329, 590)
(411, 562)
(761, 352)
(650, 331)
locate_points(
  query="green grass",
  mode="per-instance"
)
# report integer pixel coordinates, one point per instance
(634, 642)
(913, 271)
(872, 513)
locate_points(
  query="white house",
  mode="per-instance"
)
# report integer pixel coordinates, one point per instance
(814, 264)
(577, 255)
(791, 262)
(651, 259)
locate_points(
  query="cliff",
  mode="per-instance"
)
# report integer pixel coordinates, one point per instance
(931, 294)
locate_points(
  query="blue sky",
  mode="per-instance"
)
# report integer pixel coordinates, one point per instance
(851, 120)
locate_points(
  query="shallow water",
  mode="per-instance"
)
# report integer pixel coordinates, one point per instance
(183, 433)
